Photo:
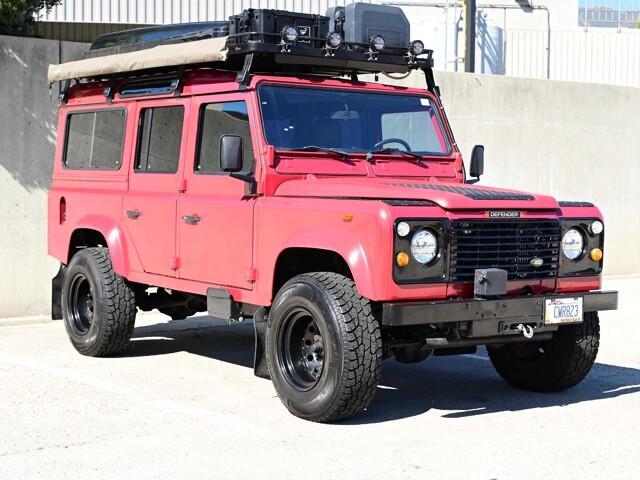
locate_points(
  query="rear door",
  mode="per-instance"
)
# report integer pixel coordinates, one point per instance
(215, 214)
(154, 182)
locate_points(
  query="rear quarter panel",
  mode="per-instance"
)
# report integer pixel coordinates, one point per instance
(93, 198)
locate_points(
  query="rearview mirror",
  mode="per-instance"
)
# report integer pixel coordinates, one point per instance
(477, 163)
(231, 153)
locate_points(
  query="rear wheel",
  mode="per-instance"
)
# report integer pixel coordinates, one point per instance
(324, 347)
(552, 366)
(98, 306)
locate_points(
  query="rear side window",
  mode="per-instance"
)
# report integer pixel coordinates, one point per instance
(94, 140)
(216, 120)
(159, 139)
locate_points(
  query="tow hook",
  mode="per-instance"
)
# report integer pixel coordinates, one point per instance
(526, 330)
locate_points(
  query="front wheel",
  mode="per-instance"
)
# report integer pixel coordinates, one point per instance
(552, 366)
(324, 347)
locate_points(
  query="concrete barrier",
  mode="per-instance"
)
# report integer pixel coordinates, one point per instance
(27, 140)
(575, 141)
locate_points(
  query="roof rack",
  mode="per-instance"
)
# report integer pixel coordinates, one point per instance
(261, 41)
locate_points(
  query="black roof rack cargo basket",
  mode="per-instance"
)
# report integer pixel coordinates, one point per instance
(149, 37)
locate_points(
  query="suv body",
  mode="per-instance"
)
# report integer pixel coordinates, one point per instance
(207, 195)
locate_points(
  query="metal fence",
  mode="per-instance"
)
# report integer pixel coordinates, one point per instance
(609, 13)
(172, 11)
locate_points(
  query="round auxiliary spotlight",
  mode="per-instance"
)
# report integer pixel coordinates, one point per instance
(416, 48)
(289, 34)
(377, 43)
(334, 40)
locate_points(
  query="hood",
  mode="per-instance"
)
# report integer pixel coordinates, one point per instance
(450, 196)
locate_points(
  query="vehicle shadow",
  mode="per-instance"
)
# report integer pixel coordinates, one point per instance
(460, 386)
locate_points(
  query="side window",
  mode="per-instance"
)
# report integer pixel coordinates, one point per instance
(94, 140)
(159, 139)
(216, 120)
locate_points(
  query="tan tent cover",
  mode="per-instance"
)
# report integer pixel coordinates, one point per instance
(187, 53)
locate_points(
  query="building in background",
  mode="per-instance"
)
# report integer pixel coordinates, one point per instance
(578, 40)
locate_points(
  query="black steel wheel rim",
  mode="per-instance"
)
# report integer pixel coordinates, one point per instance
(80, 304)
(300, 349)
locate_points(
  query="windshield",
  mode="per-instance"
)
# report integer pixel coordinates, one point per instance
(350, 121)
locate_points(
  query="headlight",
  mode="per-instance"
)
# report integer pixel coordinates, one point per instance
(424, 246)
(572, 244)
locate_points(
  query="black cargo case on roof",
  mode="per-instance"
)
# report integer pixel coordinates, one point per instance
(266, 26)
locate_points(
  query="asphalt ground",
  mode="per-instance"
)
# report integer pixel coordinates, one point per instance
(183, 403)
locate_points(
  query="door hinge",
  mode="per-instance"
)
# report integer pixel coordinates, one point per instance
(182, 188)
(251, 275)
(175, 263)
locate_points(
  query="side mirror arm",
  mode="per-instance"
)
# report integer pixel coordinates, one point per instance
(249, 179)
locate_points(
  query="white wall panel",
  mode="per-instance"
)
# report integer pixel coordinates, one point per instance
(172, 11)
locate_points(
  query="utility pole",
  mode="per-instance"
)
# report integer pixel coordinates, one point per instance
(470, 13)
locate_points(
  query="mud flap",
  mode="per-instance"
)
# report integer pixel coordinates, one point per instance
(56, 294)
(260, 367)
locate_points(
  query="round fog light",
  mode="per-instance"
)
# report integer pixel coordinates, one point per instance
(403, 229)
(596, 254)
(289, 34)
(596, 227)
(377, 43)
(416, 47)
(402, 259)
(334, 39)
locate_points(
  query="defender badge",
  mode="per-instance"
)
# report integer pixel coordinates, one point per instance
(504, 214)
(536, 262)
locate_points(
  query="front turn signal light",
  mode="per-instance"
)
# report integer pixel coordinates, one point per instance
(596, 254)
(402, 259)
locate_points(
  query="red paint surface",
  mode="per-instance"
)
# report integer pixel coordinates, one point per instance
(302, 199)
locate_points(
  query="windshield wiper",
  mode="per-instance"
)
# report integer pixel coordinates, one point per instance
(334, 151)
(395, 150)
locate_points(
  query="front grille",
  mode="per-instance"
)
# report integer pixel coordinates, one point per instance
(509, 245)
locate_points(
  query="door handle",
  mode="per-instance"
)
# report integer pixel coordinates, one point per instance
(133, 214)
(191, 219)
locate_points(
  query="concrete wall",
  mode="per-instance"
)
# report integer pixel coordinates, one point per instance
(27, 140)
(575, 141)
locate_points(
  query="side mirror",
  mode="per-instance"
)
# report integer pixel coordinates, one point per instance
(231, 153)
(477, 163)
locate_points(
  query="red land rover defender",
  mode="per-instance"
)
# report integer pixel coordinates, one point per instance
(245, 169)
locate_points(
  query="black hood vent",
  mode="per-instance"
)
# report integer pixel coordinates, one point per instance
(469, 192)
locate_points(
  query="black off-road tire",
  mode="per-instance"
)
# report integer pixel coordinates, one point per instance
(553, 366)
(109, 304)
(351, 345)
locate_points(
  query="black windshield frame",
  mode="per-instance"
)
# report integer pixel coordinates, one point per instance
(442, 132)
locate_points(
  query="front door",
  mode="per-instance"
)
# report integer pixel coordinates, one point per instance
(150, 204)
(215, 214)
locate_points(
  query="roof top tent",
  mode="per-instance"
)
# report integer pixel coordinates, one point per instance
(357, 39)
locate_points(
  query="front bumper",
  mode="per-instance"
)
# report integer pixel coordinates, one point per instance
(488, 318)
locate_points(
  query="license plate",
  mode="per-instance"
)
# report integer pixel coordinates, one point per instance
(563, 310)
